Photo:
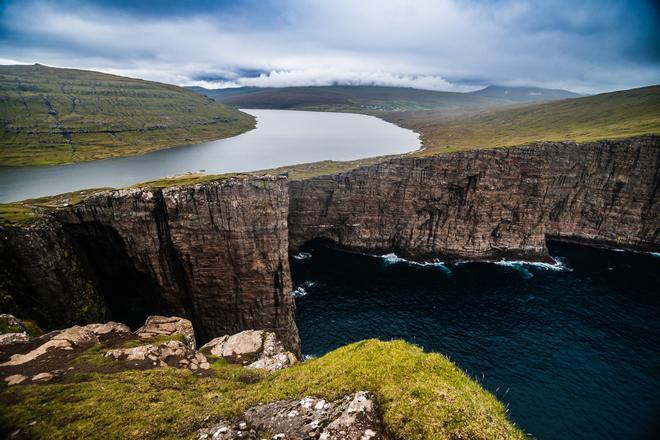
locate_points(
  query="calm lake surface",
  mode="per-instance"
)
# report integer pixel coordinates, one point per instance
(282, 137)
(574, 353)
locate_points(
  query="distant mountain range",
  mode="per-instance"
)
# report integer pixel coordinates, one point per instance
(525, 94)
(377, 98)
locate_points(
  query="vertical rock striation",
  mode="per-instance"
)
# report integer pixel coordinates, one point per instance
(215, 253)
(487, 204)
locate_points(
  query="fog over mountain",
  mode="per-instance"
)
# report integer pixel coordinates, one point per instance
(446, 45)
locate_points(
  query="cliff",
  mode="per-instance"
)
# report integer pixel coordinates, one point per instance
(215, 253)
(216, 250)
(487, 204)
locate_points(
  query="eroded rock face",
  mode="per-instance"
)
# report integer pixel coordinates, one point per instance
(487, 204)
(171, 353)
(168, 326)
(354, 417)
(251, 348)
(215, 253)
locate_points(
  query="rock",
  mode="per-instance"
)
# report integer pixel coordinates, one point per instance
(167, 326)
(108, 327)
(171, 353)
(65, 340)
(252, 348)
(11, 324)
(42, 377)
(486, 204)
(14, 338)
(15, 379)
(216, 250)
(355, 417)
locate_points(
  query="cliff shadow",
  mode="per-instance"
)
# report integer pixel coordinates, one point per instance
(130, 294)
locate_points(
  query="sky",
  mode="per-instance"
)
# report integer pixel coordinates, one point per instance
(587, 46)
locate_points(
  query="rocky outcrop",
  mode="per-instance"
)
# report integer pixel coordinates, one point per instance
(355, 417)
(167, 326)
(253, 349)
(171, 353)
(215, 253)
(487, 204)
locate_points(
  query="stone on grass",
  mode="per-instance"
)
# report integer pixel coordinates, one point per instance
(167, 326)
(171, 353)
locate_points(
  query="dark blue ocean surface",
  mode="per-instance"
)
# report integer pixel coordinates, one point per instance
(574, 353)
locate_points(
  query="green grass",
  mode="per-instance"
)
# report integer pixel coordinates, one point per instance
(188, 179)
(52, 116)
(16, 214)
(606, 116)
(422, 396)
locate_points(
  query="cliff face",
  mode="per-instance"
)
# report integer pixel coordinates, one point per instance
(487, 204)
(215, 253)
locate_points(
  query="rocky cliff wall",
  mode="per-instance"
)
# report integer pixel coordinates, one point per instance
(215, 253)
(487, 204)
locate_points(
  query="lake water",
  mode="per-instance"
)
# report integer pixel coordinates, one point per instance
(574, 353)
(282, 137)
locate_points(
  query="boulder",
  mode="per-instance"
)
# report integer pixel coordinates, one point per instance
(108, 328)
(15, 379)
(171, 353)
(43, 377)
(14, 338)
(11, 324)
(355, 417)
(167, 326)
(251, 348)
(65, 340)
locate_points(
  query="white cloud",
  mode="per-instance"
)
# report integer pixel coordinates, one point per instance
(434, 44)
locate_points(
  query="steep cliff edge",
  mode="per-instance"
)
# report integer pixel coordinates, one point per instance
(487, 204)
(215, 253)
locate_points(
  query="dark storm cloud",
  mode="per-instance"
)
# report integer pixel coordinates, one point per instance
(586, 46)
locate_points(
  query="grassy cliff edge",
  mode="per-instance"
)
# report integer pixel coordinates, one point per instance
(422, 396)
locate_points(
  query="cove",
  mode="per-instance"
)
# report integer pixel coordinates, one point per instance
(282, 137)
(572, 350)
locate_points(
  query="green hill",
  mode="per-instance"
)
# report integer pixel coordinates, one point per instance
(363, 99)
(606, 116)
(52, 115)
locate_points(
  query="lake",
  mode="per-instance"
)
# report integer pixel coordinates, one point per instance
(282, 137)
(572, 350)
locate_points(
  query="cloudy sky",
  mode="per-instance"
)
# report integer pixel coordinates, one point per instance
(586, 46)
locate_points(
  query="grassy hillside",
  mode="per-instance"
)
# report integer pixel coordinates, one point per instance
(51, 116)
(609, 115)
(524, 94)
(363, 99)
(422, 396)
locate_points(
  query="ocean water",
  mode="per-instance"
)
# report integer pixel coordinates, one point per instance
(573, 349)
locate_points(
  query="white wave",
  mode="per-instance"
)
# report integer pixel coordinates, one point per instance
(299, 292)
(394, 259)
(302, 256)
(655, 254)
(307, 357)
(559, 264)
(309, 284)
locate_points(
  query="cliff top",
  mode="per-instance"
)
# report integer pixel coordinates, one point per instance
(422, 395)
(52, 116)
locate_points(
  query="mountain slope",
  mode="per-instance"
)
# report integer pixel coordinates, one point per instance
(363, 99)
(51, 115)
(609, 115)
(524, 94)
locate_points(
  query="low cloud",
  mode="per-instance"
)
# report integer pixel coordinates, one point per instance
(432, 44)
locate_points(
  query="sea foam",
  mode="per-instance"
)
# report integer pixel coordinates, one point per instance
(302, 256)
(394, 259)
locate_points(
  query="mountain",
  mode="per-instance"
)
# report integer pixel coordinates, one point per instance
(362, 99)
(51, 115)
(524, 94)
(605, 116)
